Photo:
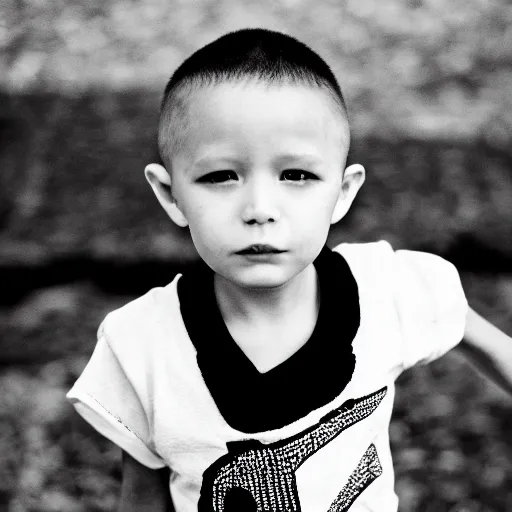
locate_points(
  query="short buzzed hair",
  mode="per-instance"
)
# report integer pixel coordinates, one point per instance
(259, 54)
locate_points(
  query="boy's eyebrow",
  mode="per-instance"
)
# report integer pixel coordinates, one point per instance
(307, 158)
(209, 159)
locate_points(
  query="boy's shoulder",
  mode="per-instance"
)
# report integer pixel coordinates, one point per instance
(403, 271)
(368, 249)
(371, 264)
(143, 315)
(382, 253)
(362, 256)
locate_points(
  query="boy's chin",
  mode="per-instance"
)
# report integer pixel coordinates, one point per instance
(261, 279)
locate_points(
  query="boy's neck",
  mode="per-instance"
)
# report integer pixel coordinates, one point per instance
(269, 306)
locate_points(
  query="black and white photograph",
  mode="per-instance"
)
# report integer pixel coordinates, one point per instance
(256, 256)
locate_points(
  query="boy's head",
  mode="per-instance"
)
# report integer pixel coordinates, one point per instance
(249, 55)
(254, 135)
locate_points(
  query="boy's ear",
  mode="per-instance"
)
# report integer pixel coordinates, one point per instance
(160, 182)
(353, 179)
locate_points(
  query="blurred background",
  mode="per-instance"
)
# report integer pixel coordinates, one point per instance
(429, 87)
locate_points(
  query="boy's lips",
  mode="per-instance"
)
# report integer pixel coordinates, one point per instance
(260, 249)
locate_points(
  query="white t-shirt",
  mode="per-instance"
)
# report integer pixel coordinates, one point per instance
(144, 390)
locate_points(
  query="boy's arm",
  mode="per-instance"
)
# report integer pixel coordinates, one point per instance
(144, 489)
(489, 349)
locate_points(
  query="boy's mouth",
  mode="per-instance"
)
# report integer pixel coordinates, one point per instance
(260, 249)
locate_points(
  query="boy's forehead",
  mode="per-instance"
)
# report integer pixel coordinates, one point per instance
(240, 109)
(253, 96)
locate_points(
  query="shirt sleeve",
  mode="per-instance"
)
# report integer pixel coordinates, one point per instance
(431, 306)
(104, 396)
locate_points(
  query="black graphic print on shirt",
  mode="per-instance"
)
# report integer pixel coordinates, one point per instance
(256, 477)
(367, 471)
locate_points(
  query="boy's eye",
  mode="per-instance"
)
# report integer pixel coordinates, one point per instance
(218, 177)
(297, 175)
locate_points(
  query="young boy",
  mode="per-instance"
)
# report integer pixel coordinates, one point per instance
(264, 380)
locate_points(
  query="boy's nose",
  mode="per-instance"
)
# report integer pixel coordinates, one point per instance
(260, 204)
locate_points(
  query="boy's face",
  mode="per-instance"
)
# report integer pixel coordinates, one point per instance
(261, 165)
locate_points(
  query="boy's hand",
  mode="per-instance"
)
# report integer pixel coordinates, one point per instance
(144, 489)
(489, 349)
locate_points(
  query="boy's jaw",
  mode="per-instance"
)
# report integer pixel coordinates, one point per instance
(271, 269)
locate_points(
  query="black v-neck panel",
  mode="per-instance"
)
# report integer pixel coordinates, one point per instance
(251, 401)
